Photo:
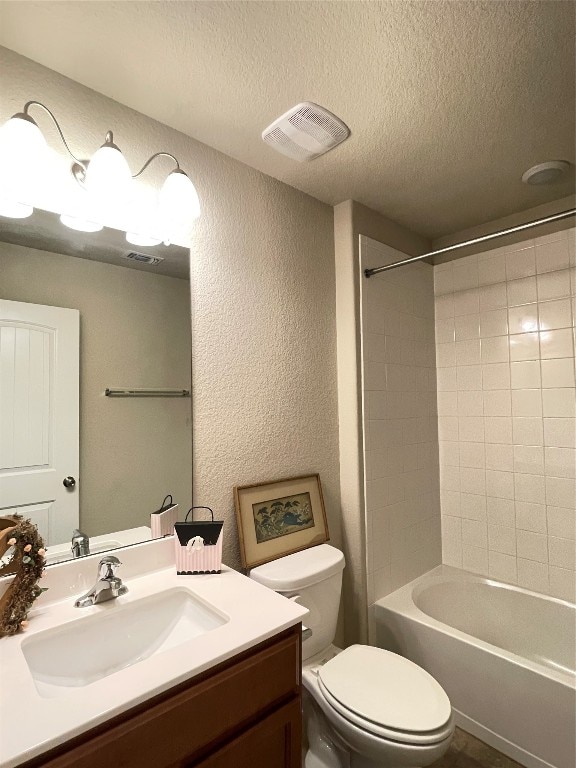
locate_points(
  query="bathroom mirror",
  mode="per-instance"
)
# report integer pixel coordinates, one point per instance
(132, 333)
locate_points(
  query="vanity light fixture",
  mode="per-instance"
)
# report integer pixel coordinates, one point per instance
(106, 178)
(14, 210)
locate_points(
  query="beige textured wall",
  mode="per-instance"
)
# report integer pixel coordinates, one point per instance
(349, 410)
(134, 331)
(351, 220)
(371, 224)
(263, 301)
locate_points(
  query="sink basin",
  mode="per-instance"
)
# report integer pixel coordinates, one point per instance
(115, 636)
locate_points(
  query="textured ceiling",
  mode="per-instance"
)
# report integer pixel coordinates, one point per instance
(448, 102)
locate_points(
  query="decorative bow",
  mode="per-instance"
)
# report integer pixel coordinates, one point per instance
(195, 543)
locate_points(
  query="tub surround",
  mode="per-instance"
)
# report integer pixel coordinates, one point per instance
(495, 670)
(507, 412)
(399, 421)
(30, 724)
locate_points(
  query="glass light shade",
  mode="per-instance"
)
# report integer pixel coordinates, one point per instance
(79, 224)
(13, 210)
(108, 178)
(178, 202)
(22, 154)
(135, 238)
(21, 137)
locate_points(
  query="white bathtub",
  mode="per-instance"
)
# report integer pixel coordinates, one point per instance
(505, 656)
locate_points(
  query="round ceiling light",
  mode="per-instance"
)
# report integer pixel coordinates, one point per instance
(546, 173)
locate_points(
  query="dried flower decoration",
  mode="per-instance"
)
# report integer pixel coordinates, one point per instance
(28, 561)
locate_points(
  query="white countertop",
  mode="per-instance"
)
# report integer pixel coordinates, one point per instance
(31, 724)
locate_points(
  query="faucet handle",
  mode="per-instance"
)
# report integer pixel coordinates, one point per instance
(107, 567)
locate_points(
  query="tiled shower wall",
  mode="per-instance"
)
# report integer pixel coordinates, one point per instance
(402, 512)
(507, 412)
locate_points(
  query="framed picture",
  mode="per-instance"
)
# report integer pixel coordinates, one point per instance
(280, 517)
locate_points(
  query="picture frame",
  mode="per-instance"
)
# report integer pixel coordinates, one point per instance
(279, 517)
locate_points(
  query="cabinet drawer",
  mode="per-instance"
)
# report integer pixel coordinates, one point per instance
(196, 718)
(274, 742)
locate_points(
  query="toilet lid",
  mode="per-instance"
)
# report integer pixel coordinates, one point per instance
(386, 689)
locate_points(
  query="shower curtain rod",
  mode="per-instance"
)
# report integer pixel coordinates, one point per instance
(509, 231)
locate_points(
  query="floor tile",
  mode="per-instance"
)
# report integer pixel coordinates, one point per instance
(466, 751)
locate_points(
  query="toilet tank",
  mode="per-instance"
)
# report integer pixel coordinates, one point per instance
(315, 576)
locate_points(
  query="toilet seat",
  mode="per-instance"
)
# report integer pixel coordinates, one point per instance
(386, 695)
(389, 734)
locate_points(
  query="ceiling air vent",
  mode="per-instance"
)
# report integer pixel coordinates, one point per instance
(305, 132)
(143, 258)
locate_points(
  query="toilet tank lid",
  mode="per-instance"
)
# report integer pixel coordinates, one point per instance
(301, 569)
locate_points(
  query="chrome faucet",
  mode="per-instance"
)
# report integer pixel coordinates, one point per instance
(108, 587)
(80, 544)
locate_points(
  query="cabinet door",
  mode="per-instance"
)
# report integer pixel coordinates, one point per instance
(202, 715)
(274, 742)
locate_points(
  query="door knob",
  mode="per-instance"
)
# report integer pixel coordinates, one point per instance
(69, 482)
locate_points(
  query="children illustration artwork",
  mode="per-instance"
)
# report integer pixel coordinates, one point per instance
(280, 517)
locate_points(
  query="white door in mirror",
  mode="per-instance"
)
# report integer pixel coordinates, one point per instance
(39, 443)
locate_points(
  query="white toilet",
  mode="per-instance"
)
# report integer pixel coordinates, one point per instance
(363, 707)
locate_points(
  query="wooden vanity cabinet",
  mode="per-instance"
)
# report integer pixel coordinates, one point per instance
(244, 713)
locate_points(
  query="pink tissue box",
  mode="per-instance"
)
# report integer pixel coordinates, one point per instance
(198, 547)
(162, 522)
